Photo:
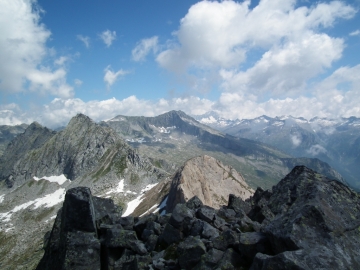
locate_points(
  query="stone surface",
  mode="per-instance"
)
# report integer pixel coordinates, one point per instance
(305, 222)
(209, 180)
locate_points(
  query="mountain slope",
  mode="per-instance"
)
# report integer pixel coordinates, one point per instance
(175, 137)
(84, 153)
(8, 133)
(334, 141)
(209, 180)
(306, 221)
(34, 137)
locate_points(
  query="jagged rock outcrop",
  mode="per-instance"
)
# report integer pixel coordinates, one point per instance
(208, 179)
(305, 222)
(82, 149)
(71, 152)
(34, 137)
(8, 133)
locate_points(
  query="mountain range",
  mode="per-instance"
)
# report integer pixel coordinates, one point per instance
(335, 141)
(141, 163)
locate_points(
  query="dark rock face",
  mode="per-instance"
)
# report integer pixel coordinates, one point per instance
(305, 222)
(33, 137)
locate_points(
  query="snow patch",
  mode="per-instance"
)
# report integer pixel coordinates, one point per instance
(209, 120)
(166, 130)
(2, 198)
(277, 123)
(118, 189)
(61, 179)
(47, 201)
(131, 206)
(50, 219)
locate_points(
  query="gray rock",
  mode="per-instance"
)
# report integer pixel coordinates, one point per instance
(179, 216)
(206, 213)
(225, 240)
(209, 260)
(237, 204)
(194, 203)
(169, 236)
(151, 242)
(190, 252)
(119, 238)
(209, 232)
(253, 242)
(230, 260)
(78, 211)
(82, 251)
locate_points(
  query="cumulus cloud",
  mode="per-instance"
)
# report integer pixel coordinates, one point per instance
(144, 47)
(111, 77)
(108, 37)
(11, 114)
(23, 52)
(286, 40)
(84, 39)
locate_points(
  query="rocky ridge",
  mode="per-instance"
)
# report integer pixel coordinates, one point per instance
(205, 177)
(34, 137)
(335, 141)
(209, 180)
(41, 165)
(8, 133)
(175, 137)
(33, 186)
(305, 222)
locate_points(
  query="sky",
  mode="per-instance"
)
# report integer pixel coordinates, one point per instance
(241, 59)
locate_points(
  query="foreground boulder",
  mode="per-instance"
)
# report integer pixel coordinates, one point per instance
(305, 222)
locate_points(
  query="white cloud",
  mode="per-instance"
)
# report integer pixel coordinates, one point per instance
(108, 37)
(84, 39)
(337, 95)
(286, 40)
(61, 60)
(316, 149)
(23, 51)
(355, 33)
(296, 140)
(59, 111)
(286, 70)
(111, 77)
(144, 47)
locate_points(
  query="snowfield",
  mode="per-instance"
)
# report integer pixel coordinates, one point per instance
(135, 203)
(46, 201)
(61, 179)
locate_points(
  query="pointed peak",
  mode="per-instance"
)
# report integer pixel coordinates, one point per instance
(35, 125)
(80, 118)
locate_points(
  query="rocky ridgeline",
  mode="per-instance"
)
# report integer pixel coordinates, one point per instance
(305, 222)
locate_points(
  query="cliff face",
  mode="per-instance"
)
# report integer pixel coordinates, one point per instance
(305, 222)
(209, 180)
(8, 133)
(34, 137)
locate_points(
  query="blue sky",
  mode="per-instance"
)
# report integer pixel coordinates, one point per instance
(239, 58)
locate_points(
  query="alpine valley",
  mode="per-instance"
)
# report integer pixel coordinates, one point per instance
(144, 167)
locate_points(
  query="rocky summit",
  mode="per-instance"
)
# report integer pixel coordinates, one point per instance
(306, 221)
(208, 179)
